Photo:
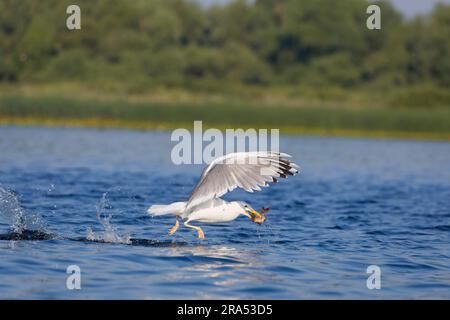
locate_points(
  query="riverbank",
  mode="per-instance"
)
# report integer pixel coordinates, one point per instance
(49, 108)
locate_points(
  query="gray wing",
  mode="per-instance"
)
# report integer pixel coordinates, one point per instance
(247, 170)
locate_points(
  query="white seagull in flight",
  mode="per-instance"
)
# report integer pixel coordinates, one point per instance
(246, 170)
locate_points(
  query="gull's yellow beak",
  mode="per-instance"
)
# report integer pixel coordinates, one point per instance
(255, 216)
(254, 213)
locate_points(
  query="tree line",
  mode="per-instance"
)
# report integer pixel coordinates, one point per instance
(179, 43)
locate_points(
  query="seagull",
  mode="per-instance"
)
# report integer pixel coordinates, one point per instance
(247, 170)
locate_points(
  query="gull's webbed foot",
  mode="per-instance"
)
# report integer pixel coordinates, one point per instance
(174, 228)
(201, 234)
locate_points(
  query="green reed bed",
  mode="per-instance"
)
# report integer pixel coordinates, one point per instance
(378, 121)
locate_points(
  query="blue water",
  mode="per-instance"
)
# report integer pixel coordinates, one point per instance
(358, 202)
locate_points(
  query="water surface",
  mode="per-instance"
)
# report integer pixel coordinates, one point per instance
(79, 196)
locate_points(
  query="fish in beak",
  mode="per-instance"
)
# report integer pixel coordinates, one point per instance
(257, 217)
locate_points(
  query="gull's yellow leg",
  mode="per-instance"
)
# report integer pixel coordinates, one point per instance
(201, 235)
(174, 228)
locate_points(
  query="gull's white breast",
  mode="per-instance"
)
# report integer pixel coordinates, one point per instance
(216, 212)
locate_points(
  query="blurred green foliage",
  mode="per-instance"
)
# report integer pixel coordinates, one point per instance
(318, 120)
(144, 44)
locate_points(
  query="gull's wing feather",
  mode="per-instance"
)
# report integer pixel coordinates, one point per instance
(247, 170)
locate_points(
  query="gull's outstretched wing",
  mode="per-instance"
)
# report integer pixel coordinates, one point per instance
(246, 170)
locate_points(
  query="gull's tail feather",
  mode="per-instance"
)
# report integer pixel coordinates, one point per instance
(175, 208)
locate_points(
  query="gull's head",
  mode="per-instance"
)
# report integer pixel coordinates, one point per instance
(254, 215)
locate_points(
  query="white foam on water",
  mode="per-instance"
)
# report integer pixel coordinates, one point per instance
(110, 233)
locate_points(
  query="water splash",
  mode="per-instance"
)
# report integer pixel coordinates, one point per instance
(110, 233)
(22, 226)
(10, 207)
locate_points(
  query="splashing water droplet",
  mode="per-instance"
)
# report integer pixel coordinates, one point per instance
(110, 233)
(10, 207)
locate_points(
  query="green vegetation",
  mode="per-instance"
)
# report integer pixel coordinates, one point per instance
(304, 66)
(162, 115)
